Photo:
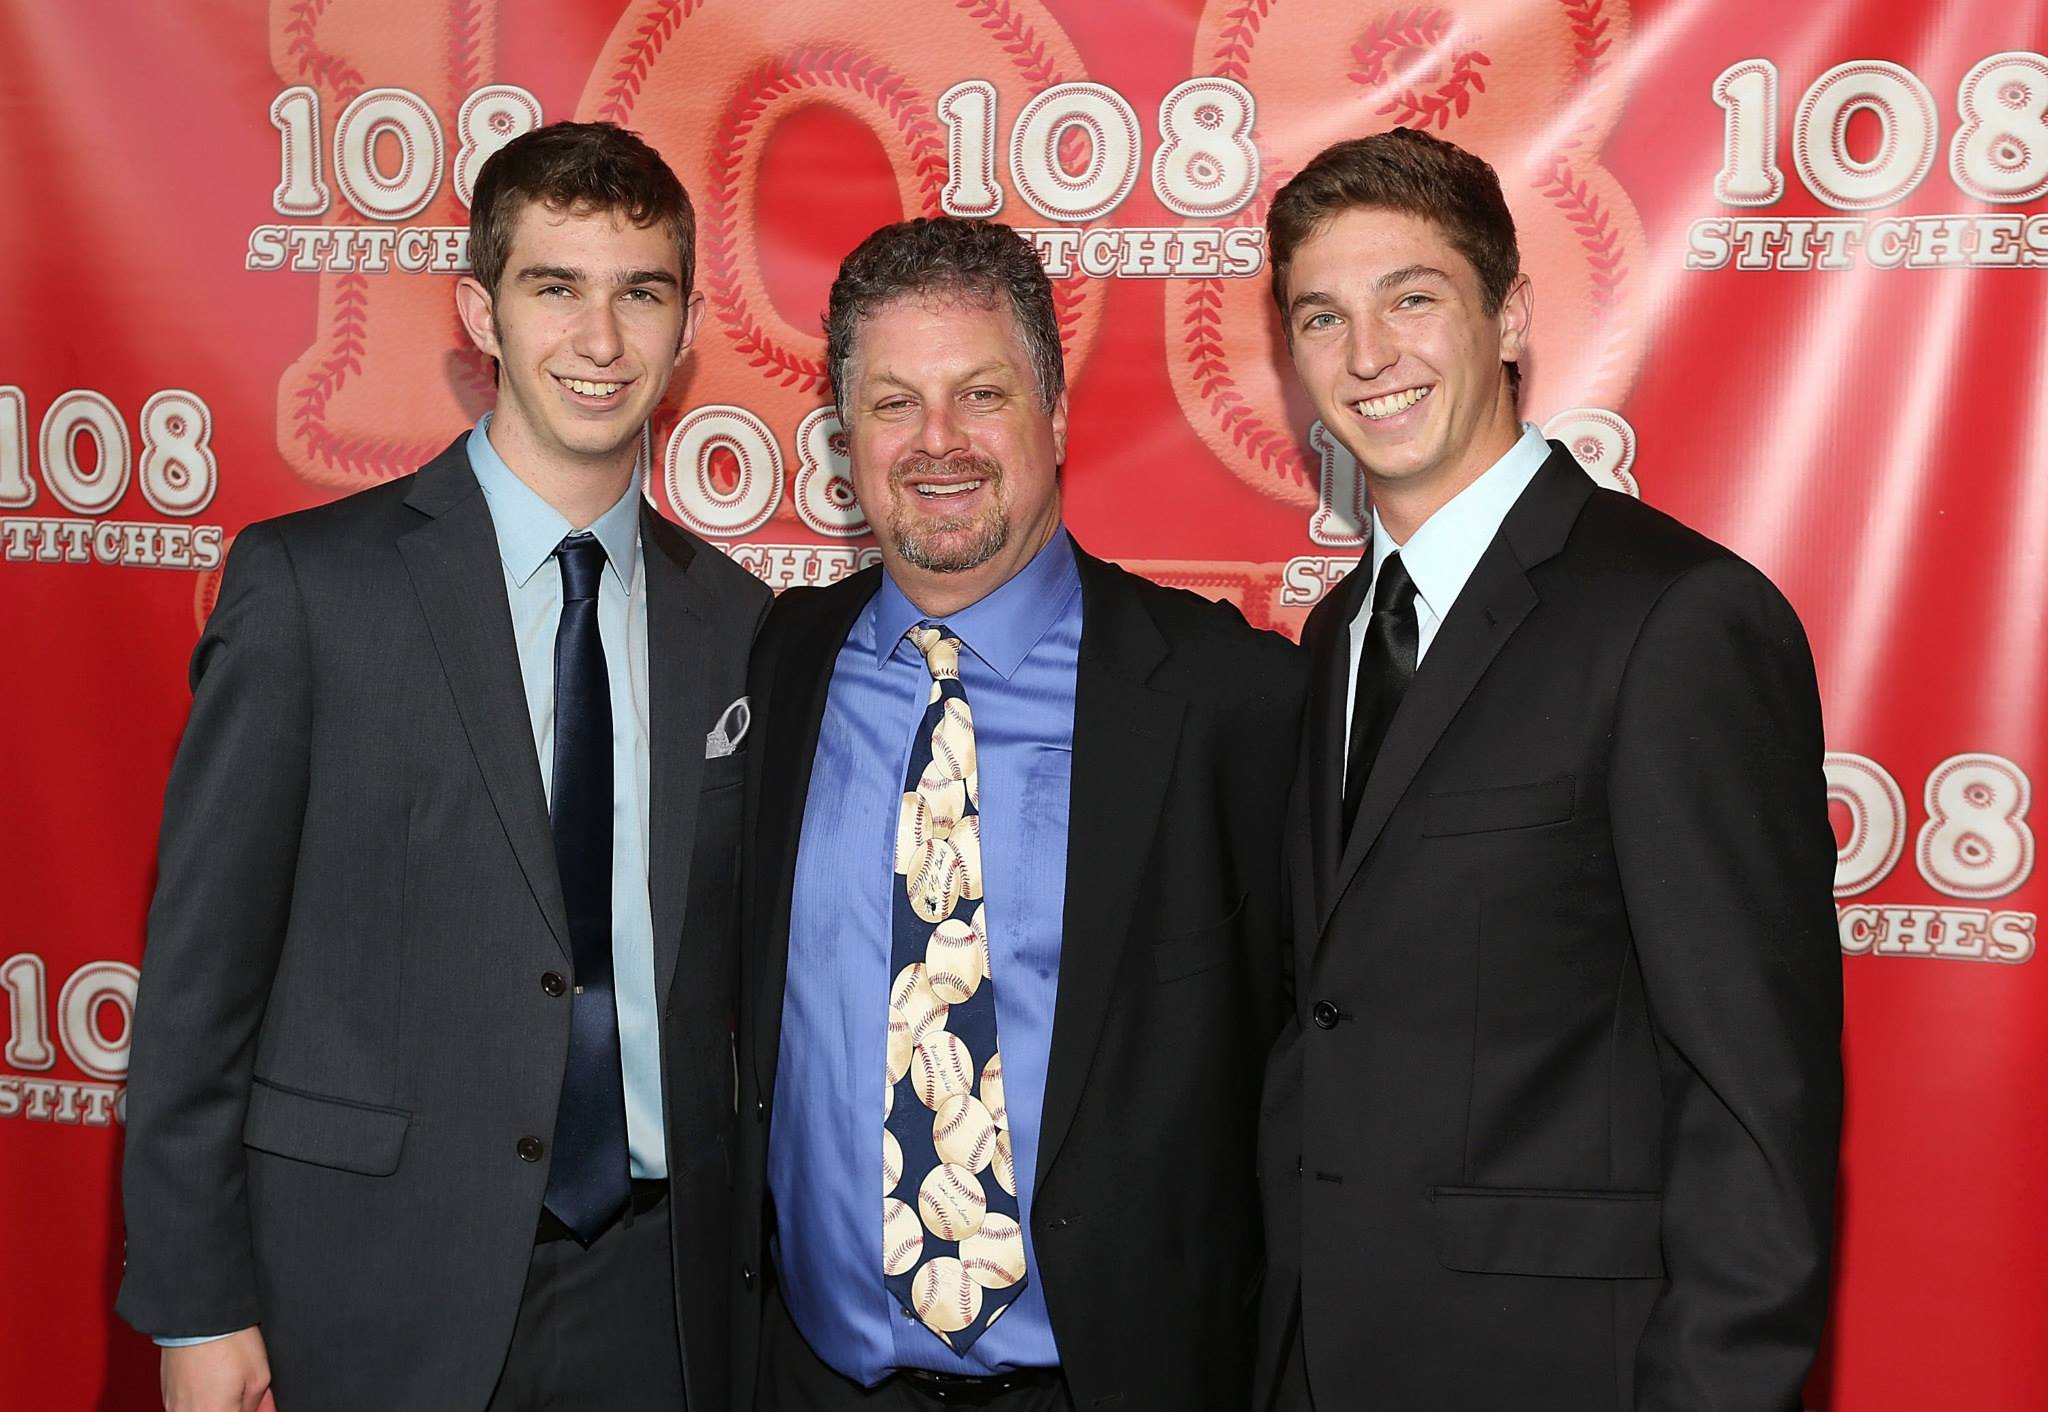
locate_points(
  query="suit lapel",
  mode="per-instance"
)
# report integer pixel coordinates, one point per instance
(1328, 639)
(678, 705)
(1490, 607)
(789, 725)
(1125, 736)
(456, 572)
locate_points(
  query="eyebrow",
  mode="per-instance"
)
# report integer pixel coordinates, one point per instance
(562, 274)
(1392, 279)
(994, 365)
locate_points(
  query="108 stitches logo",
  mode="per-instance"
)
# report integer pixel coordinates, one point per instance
(1996, 155)
(97, 993)
(87, 459)
(981, 108)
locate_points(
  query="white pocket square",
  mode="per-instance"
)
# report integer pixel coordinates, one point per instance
(731, 729)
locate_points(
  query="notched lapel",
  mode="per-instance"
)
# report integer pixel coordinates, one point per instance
(453, 560)
(1328, 642)
(678, 707)
(1125, 736)
(1491, 606)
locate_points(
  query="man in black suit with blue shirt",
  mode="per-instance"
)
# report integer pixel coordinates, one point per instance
(431, 1088)
(1554, 1119)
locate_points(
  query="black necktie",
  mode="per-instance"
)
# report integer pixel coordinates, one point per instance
(590, 1179)
(1386, 664)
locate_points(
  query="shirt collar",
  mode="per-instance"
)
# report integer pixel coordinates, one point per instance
(1001, 628)
(1441, 555)
(529, 528)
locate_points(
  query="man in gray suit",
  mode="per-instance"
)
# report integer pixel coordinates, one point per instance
(432, 1072)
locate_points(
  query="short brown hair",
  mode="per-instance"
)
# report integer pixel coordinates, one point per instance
(579, 168)
(1411, 172)
(983, 261)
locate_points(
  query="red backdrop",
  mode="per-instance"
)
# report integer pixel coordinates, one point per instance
(1787, 263)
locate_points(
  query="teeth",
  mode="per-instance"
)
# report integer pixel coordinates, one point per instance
(961, 489)
(1374, 408)
(592, 389)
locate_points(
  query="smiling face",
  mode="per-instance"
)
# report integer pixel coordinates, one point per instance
(1391, 338)
(588, 323)
(954, 460)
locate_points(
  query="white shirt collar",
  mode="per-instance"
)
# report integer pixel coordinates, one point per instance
(1441, 555)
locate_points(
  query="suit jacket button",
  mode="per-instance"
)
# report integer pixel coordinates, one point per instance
(553, 983)
(747, 1276)
(1325, 1015)
(760, 1110)
(530, 1149)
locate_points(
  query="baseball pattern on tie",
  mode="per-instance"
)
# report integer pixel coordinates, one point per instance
(952, 1242)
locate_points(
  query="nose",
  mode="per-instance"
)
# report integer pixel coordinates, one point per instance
(597, 333)
(939, 431)
(1368, 351)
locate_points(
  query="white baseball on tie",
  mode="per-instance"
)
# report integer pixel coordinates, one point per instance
(963, 1133)
(992, 1092)
(953, 739)
(901, 1043)
(902, 1236)
(944, 802)
(914, 826)
(994, 1255)
(1003, 1166)
(912, 993)
(965, 836)
(945, 1299)
(892, 1162)
(951, 1202)
(934, 881)
(940, 1067)
(943, 659)
(954, 961)
(974, 793)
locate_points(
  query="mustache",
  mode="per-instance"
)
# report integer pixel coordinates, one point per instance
(919, 464)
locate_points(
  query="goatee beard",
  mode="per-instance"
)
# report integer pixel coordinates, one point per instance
(930, 544)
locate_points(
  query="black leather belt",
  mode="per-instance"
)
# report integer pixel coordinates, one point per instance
(970, 1391)
(648, 1193)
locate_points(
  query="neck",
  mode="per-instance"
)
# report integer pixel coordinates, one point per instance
(1405, 505)
(579, 491)
(938, 595)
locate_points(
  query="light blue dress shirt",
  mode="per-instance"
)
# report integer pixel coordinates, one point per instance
(528, 530)
(825, 1145)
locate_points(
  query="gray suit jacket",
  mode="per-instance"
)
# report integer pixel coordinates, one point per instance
(342, 1035)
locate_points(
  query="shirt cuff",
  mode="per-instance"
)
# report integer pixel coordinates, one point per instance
(191, 1342)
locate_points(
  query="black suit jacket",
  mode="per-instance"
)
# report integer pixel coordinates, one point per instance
(1145, 1219)
(342, 1034)
(1553, 1123)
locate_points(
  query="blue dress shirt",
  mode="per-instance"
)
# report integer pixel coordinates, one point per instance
(825, 1145)
(528, 530)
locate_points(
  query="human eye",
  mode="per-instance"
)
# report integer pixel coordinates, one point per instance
(982, 396)
(1414, 299)
(1321, 319)
(641, 296)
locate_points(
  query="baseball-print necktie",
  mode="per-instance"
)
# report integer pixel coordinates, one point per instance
(590, 1177)
(952, 1248)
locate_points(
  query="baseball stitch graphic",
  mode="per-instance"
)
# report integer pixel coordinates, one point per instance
(696, 78)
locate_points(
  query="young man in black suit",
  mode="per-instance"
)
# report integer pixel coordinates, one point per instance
(432, 1071)
(1553, 1124)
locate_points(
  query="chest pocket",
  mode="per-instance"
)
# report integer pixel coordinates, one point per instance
(1512, 806)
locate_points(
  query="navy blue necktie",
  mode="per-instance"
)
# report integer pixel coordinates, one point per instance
(1386, 664)
(590, 1179)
